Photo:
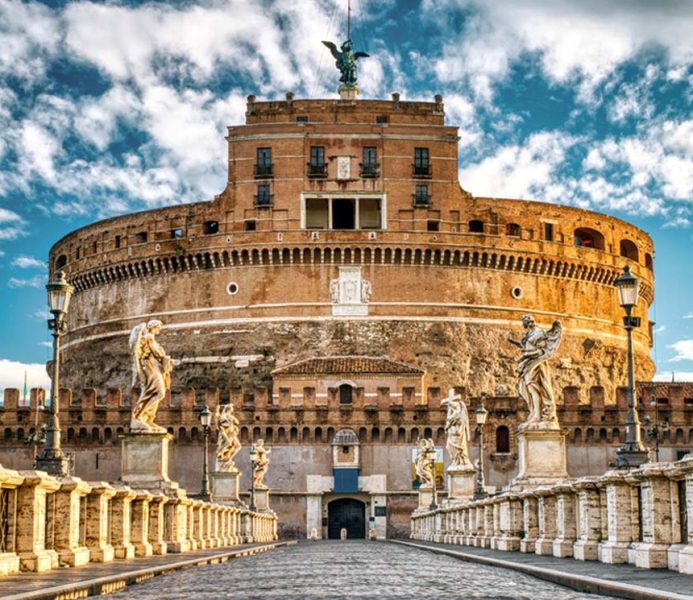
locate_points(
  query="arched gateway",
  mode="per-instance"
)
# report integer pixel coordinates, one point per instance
(349, 514)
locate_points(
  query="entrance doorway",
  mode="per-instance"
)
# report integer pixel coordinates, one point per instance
(349, 514)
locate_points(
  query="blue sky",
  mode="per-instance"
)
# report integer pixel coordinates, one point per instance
(106, 108)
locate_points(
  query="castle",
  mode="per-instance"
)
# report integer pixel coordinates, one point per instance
(333, 292)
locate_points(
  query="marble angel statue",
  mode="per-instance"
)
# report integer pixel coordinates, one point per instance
(457, 429)
(228, 443)
(260, 463)
(425, 467)
(152, 368)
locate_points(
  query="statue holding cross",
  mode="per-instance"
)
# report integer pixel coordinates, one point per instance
(457, 429)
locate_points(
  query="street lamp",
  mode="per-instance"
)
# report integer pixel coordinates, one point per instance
(632, 453)
(52, 459)
(253, 463)
(431, 451)
(480, 414)
(205, 419)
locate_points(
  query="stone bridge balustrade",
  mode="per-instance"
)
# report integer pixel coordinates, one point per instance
(9, 559)
(98, 515)
(139, 529)
(70, 527)
(640, 516)
(157, 523)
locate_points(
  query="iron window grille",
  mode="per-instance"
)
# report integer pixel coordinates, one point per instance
(316, 166)
(422, 165)
(263, 164)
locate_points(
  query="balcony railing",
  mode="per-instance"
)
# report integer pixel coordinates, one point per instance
(317, 171)
(263, 200)
(422, 199)
(423, 171)
(369, 170)
(263, 171)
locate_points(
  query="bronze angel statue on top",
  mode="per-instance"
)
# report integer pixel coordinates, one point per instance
(346, 62)
(152, 367)
(534, 384)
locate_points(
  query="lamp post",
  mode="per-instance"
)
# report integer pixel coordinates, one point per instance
(431, 451)
(653, 432)
(253, 463)
(632, 453)
(480, 414)
(52, 459)
(205, 419)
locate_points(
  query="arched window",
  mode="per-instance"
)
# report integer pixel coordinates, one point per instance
(513, 229)
(502, 439)
(61, 261)
(629, 250)
(589, 238)
(346, 393)
(476, 226)
(648, 261)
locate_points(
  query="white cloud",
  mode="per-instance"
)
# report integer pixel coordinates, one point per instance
(36, 282)
(683, 349)
(28, 262)
(677, 376)
(12, 375)
(11, 225)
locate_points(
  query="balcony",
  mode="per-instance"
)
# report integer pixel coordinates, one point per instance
(263, 200)
(421, 171)
(370, 170)
(263, 171)
(318, 171)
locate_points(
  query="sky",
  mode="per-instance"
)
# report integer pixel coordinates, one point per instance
(112, 107)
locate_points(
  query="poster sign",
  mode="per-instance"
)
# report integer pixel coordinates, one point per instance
(439, 469)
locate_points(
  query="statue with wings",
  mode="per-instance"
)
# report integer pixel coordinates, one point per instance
(228, 443)
(534, 384)
(425, 463)
(346, 62)
(457, 429)
(152, 367)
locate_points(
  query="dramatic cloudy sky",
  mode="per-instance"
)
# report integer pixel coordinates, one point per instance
(111, 107)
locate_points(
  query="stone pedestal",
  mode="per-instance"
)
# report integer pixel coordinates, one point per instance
(262, 500)
(144, 461)
(425, 499)
(542, 458)
(226, 488)
(348, 92)
(461, 482)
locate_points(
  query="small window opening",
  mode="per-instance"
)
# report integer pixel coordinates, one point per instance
(433, 226)
(117, 241)
(548, 232)
(513, 229)
(302, 119)
(381, 119)
(346, 393)
(141, 237)
(502, 440)
(210, 227)
(176, 233)
(476, 226)
(250, 225)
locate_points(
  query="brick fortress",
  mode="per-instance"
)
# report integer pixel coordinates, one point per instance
(344, 280)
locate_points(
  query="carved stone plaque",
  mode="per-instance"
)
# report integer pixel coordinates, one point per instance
(350, 293)
(343, 167)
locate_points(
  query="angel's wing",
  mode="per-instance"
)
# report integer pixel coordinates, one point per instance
(360, 54)
(553, 340)
(332, 48)
(136, 349)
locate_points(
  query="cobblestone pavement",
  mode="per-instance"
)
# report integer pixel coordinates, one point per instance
(346, 570)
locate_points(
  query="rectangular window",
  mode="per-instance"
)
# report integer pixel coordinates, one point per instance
(302, 119)
(141, 237)
(117, 241)
(421, 196)
(369, 166)
(422, 166)
(433, 225)
(263, 164)
(317, 167)
(381, 119)
(176, 233)
(210, 227)
(263, 197)
(548, 232)
(317, 213)
(250, 225)
(370, 215)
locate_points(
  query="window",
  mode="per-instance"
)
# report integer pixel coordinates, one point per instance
(422, 167)
(210, 227)
(548, 232)
(381, 119)
(476, 226)
(502, 440)
(513, 229)
(176, 233)
(317, 167)
(343, 213)
(263, 197)
(648, 261)
(346, 393)
(369, 166)
(302, 119)
(589, 238)
(263, 164)
(370, 216)
(317, 213)
(94, 247)
(421, 196)
(141, 237)
(61, 261)
(628, 249)
(117, 241)
(433, 225)
(250, 225)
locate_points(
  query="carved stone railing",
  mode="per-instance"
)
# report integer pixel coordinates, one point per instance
(641, 516)
(48, 522)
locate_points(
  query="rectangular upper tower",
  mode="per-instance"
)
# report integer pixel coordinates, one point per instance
(342, 165)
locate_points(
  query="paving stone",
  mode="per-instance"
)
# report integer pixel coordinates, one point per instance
(349, 570)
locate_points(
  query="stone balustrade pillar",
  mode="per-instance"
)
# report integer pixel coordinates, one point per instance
(224, 526)
(589, 519)
(510, 522)
(478, 524)
(487, 516)
(651, 552)
(9, 482)
(35, 514)
(546, 516)
(139, 529)
(98, 526)
(176, 515)
(684, 494)
(157, 523)
(566, 520)
(620, 518)
(216, 526)
(198, 523)
(237, 526)
(191, 531)
(495, 520)
(70, 522)
(530, 522)
(121, 520)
